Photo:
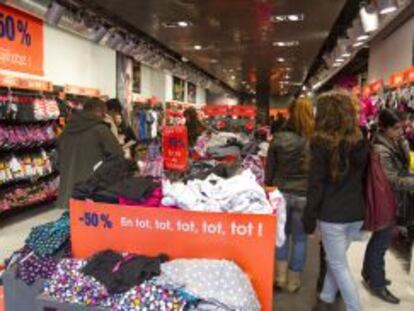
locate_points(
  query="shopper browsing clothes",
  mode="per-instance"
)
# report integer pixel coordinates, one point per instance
(287, 168)
(85, 141)
(119, 127)
(393, 150)
(335, 199)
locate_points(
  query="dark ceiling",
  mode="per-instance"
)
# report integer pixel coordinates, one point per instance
(236, 36)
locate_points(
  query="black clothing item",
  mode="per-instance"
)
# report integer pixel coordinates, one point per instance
(85, 141)
(134, 188)
(115, 177)
(201, 170)
(286, 166)
(120, 273)
(340, 200)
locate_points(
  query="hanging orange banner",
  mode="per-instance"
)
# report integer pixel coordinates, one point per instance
(397, 79)
(376, 86)
(366, 90)
(248, 240)
(409, 75)
(356, 90)
(21, 41)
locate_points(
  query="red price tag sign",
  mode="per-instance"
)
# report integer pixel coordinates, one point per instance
(243, 111)
(175, 148)
(21, 41)
(216, 110)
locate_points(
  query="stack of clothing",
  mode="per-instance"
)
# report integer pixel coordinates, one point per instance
(44, 247)
(115, 178)
(133, 282)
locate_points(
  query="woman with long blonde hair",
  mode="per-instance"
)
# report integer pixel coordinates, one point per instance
(335, 200)
(287, 168)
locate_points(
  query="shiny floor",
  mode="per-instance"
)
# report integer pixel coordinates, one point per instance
(14, 229)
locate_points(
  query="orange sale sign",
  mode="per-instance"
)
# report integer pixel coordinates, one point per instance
(21, 41)
(248, 240)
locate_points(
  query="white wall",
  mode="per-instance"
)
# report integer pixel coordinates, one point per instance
(394, 53)
(72, 60)
(201, 96)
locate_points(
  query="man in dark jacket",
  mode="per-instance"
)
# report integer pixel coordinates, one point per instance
(85, 141)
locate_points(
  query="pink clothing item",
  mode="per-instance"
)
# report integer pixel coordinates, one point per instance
(154, 200)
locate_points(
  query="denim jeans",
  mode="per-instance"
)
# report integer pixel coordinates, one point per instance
(374, 261)
(296, 238)
(336, 239)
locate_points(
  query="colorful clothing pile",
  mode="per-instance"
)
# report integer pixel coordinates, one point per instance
(46, 239)
(24, 136)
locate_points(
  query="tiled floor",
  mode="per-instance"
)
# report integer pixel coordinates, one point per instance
(14, 229)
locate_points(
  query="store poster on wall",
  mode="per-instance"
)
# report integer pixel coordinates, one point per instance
(124, 69)
(191, 92)
(21, 41)
(178, 89)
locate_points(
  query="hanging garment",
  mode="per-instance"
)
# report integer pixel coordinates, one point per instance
(218, 283)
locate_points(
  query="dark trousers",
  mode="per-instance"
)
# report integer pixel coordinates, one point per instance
(373, 269)
(322, 268)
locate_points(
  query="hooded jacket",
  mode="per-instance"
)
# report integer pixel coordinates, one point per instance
(85, 141)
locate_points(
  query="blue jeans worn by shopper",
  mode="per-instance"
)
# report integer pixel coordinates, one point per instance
(374, 262)
(336, 239)
(296, 238)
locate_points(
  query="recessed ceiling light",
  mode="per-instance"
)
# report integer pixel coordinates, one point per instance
(183, 24)
(387, 6)
(213, 61)
(287, 18)
(337, 65)
(184, 59)
(280, 59)
(244, 82)
(286, 43)
(358, 44)
(346, 54)
(233, 77)
(197, 47)
(339, 60)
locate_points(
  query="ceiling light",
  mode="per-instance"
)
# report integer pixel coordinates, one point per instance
(304, 88)
(287, 18)
(129, 47)
(280, 59)
(197, 47)
(97, 33)
(337, 65)
(369, 18)
(233, 77)
(213, 61)
(54, 13)
(339, 60)
(184, 59)
(359, 31)
(244, 82)
(183, 24)
(358, 44)
(286, 43)
(387, 6)
(346, 54)
(114, 40)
